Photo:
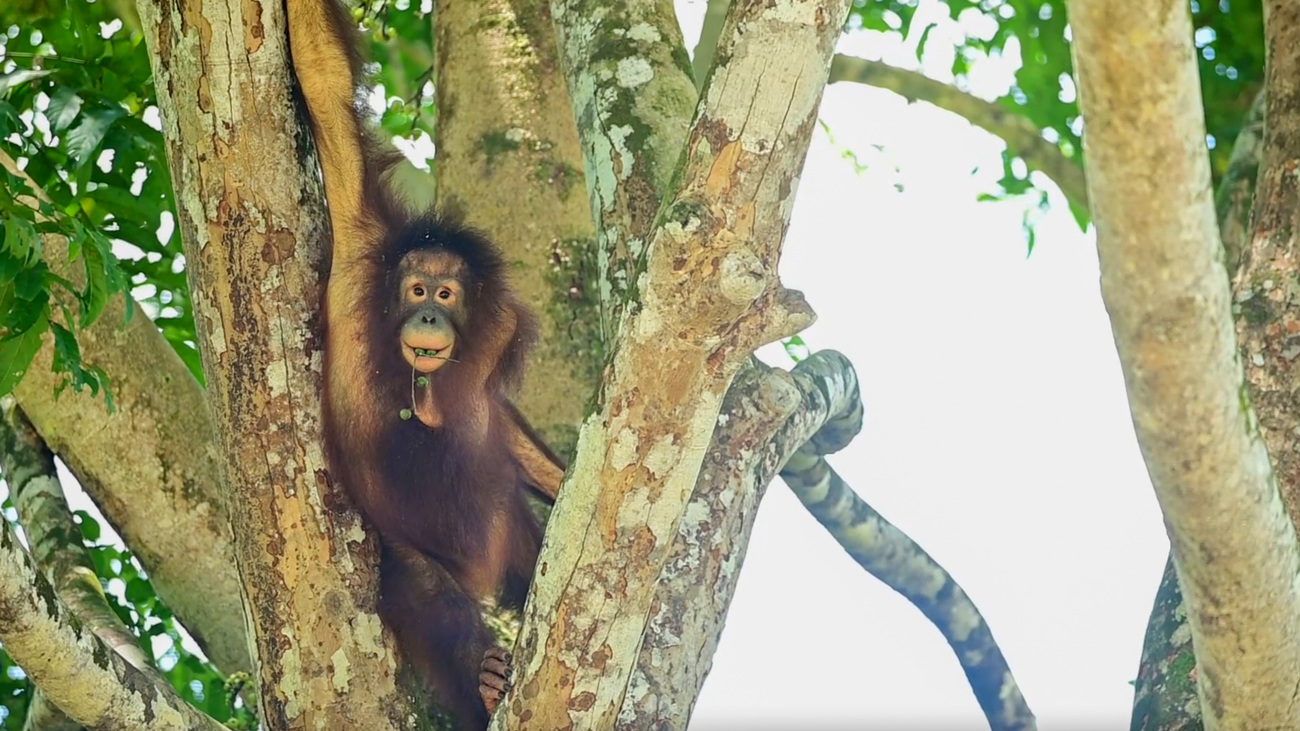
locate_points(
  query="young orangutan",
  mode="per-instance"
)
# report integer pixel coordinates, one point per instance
(423, 337)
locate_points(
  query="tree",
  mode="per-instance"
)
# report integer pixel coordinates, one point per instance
(93, 117)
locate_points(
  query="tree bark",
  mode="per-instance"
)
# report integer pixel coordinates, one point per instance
(54, 538)
(630, 85)
(249, 208)
(84, 677)
(508, 159)
(1164, 697)
(766, 416)
(1167, 294)
(639, 456)
(165, 496)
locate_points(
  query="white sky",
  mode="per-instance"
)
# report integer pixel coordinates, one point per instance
(997, 435)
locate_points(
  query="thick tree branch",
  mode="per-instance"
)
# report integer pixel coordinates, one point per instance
(890, 555)
(1023, 138)
(55, 541)
(1167, 294)
(630, 85)
(766, 416)
(639, 456)
(53, 536)
(1164, 697)
(509, 159)
(76, 670)
(164, 495)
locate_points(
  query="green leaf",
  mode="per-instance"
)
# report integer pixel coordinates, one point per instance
(138, 590)
(98, 285)
(21, 239)
(83, 140)
(90, 530)
(21, 76)
(64, 107)
(18, 350)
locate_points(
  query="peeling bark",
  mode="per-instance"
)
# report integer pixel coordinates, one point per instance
(1164, 697)
(1024, 139)
(640, 455)
(630, 85)
(508, 158)
(165, 496)
(1166, 290)
(249, 208)
(70, 664)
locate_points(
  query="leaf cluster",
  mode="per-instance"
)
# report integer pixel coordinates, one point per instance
(1229, 38)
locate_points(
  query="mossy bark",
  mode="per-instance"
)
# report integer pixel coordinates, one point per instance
(508, 160)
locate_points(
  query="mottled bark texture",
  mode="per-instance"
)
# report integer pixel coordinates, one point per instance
(708, 296)
(1024, 139)
(76, 670)
(165, 495)
(632, 94)
(250, 212)
(1167, 294)
(54, 540)
(508, 160)
(53, 537)
(765, 417)
(890, 555)
(1164, 697)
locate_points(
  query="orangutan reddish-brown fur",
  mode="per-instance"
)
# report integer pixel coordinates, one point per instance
(423, 337)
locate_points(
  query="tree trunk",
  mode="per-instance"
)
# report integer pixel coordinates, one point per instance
(1164, 697)
(630, 85)
(1167, 294)
(249, 208)
(508, 159)
(639, 456)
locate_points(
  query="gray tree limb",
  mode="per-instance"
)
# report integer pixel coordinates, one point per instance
(72, 666)
(890, 555)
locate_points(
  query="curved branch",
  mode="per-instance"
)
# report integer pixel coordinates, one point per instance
(55, 542)
(76, 670)
(890, 555)
(53, 537)
(1022, 137)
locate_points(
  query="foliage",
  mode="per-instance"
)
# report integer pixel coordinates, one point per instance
(1229, 34)
(77, 112)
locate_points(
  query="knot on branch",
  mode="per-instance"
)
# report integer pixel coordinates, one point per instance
(742, 276)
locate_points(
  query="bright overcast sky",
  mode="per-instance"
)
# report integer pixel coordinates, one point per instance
(997, 435)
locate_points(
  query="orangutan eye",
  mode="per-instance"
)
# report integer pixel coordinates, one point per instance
(444, 294)
(418, 291)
